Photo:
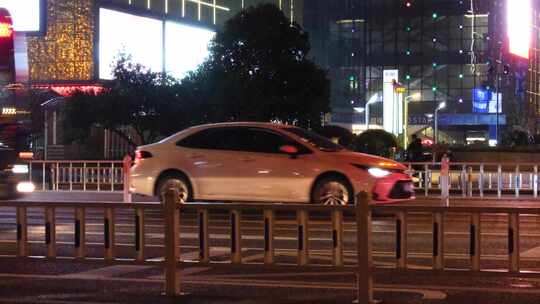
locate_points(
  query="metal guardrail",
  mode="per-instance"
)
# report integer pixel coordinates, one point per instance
(71, 175)
(477, 179)
(81, 175)
(362, 211)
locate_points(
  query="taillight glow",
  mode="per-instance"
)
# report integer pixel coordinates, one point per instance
(140, 155)
(6, 30)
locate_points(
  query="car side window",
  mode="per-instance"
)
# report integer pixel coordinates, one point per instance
(264, 141)
(212, 139)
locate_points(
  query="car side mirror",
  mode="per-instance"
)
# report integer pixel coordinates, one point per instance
(292, 151)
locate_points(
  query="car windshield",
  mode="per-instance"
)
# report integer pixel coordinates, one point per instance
(315, 140)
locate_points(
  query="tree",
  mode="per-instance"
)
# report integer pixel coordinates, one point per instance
(344, 136)
(150, 104)
(376, 142)
(258, 69)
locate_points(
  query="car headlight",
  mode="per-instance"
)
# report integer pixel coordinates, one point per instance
(19, 169)
(25, 187)
(378, 172)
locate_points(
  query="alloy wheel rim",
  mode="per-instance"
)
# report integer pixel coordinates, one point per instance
(178, 185)
(333, 194)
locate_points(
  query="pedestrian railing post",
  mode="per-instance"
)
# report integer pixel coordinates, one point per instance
(364, 273)
(98, 177)
(22, 232)
(43, 179)
(108, 233)
(84, 176)
(517, 180)
(302, 219)
(139, 234)
(481, 181)
(236, 237)
(80, 233)
(426, 180)
(470, 181)
(337, 237)
(70, 176)
(535, 181)
(475, 242)
(50, 231)
(464, 180)
(172, 242)
(269, 236)
(111, 176)
(499, 181)
(445, 177)
(127, 178)
(438, 241)
(513, 242)
(57, 176)
(401, 240)
(204, 238)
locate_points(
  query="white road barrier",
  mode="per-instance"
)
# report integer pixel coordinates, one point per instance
(475, 179)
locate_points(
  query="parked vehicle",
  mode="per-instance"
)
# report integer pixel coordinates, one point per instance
(264, 162)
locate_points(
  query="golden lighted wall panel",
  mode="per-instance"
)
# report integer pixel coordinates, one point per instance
(66, 51)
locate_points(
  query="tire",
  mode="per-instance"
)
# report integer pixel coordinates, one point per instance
(332, 190)
(178, 182)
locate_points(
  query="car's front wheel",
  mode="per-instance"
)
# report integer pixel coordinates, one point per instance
(332, 191)
(178, 183)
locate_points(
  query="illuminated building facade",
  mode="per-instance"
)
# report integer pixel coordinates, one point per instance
(451, 51)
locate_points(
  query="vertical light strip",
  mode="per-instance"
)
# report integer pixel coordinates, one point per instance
(199, 10)
(148, 4)
(280, 4)
(183, 8)
(166, 6)
(242, 3)
(214, 11)
(292, 11)
(129, 2)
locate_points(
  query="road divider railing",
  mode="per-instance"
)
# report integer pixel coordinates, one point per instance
(81, 175)
(476, 179)
(174, 212)
(473, 215)
(171, 259)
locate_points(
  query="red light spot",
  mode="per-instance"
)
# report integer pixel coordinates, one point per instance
(6, 30)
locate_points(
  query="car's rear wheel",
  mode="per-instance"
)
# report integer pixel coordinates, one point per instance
(178, 183)
(332, 191)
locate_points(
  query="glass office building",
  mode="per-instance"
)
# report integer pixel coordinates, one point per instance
(441, 50)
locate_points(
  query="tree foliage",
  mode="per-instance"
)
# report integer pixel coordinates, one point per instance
(259, 70)
(344, 136)
(376, 142)
(150, 104)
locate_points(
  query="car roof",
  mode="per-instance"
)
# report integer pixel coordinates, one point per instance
(243, 124)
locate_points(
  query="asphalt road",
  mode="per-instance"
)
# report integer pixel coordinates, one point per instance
(38, 281)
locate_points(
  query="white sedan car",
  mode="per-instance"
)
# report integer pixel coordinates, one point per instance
(263, 162)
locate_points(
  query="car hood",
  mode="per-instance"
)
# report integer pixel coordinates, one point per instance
(368, 160)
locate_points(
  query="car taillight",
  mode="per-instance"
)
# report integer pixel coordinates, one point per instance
(140, 155)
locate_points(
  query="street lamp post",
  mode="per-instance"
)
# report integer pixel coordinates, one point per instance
(441, 106)
(373, 99)
(406, 100)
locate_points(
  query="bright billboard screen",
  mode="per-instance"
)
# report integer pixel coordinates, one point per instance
(26, 14)
(185, 47)
(139, 37)
(148, 41)
(519, 20)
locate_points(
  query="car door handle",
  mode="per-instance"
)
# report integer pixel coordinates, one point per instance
(247, 159)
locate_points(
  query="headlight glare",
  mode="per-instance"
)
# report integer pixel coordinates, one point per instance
(20, 169)
(378, 172)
